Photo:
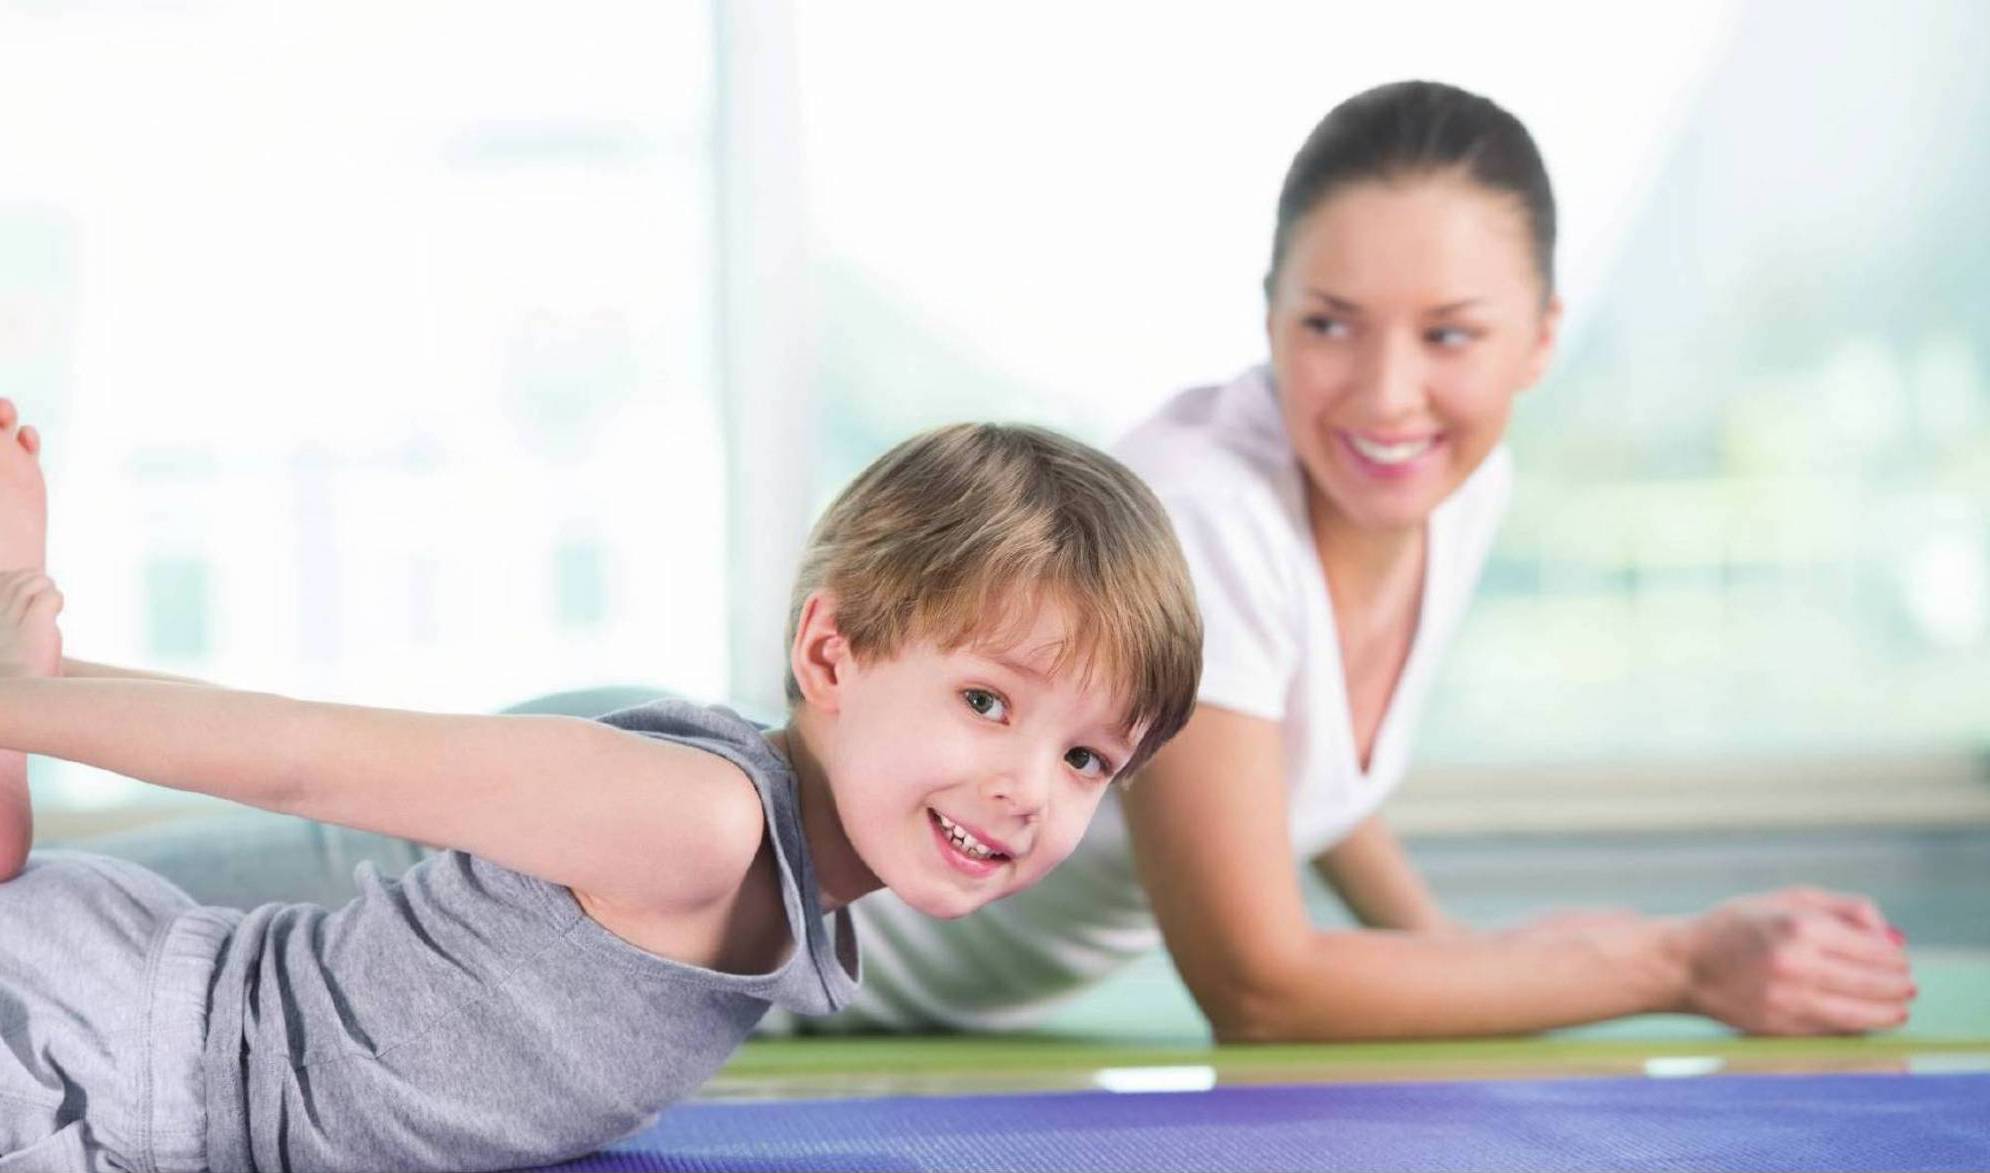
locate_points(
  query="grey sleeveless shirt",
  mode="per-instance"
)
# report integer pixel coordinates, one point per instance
(471, 1017)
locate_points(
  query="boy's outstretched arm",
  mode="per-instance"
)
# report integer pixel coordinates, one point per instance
(86, 670)
(615, 814)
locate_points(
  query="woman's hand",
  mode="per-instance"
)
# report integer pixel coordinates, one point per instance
(1799, 961)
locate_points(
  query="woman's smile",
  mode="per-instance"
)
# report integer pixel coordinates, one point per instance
(1391, 459)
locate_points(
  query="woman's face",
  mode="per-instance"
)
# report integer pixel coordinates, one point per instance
(1405, 317)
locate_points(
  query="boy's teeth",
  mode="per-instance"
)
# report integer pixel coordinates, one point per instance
(1389, 453)
(961, 839)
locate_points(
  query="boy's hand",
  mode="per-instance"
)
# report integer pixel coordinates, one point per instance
(30, 645)
(30, 641)
(1798, 961)
(23, 494)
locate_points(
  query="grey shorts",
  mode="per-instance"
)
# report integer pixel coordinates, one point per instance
(104, 972)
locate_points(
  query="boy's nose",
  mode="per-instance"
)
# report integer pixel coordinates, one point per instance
(1020, 791)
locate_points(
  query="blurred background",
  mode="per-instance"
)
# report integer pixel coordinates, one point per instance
(442, 354)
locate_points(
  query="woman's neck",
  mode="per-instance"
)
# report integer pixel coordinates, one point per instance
(840, 874)
(1367, 569)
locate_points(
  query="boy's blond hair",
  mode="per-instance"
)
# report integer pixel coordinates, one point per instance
(961, 534)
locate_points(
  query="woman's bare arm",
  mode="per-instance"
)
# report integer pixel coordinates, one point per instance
(1373, 876)
(1212, 840)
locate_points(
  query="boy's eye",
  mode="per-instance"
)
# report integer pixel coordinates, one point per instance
(986, 703)
(1449, 337)
(1089, 764)
(1324, 326)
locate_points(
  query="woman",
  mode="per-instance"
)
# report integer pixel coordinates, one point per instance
(1336, 508)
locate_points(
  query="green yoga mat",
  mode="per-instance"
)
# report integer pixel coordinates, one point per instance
(1154, 1027)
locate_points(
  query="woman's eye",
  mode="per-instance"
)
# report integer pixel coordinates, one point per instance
(1089, 764)
(1449, 337)
(1324, 326)
(986, 703)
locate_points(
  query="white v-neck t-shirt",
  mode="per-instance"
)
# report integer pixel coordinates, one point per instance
(1220, 460)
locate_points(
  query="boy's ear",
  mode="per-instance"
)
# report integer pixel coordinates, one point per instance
(820, 657)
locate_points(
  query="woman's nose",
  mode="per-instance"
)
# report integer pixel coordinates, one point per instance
(1391, 375)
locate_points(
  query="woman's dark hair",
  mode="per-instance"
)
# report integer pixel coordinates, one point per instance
(1413, 128)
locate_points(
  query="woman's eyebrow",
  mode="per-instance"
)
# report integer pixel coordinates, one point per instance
(1345, 306)
(1452, 307)
(1337, 303)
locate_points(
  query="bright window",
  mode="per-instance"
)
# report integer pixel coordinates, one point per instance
(373, 343)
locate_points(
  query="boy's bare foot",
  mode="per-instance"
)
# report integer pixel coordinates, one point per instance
(23, 494)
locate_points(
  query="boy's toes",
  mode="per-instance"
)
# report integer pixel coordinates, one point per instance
(31, 440)
(8, 416)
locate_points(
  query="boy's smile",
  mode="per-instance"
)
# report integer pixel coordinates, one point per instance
(977, 855)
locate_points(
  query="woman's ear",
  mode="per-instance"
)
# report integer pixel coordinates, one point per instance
(820, 657)
(1544, 343)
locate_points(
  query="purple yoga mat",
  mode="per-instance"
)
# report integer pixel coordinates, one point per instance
(1728, 1122)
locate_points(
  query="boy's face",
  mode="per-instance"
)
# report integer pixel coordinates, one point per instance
(963, 776)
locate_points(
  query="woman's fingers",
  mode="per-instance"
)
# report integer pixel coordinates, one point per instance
(1839, 979)
(1794, 962)
(1834, 938)
(1850, 908)
(1858, 963)
(1870, 983)
(1830, 1013)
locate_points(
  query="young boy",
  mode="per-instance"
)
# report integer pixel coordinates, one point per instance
(991, 624)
